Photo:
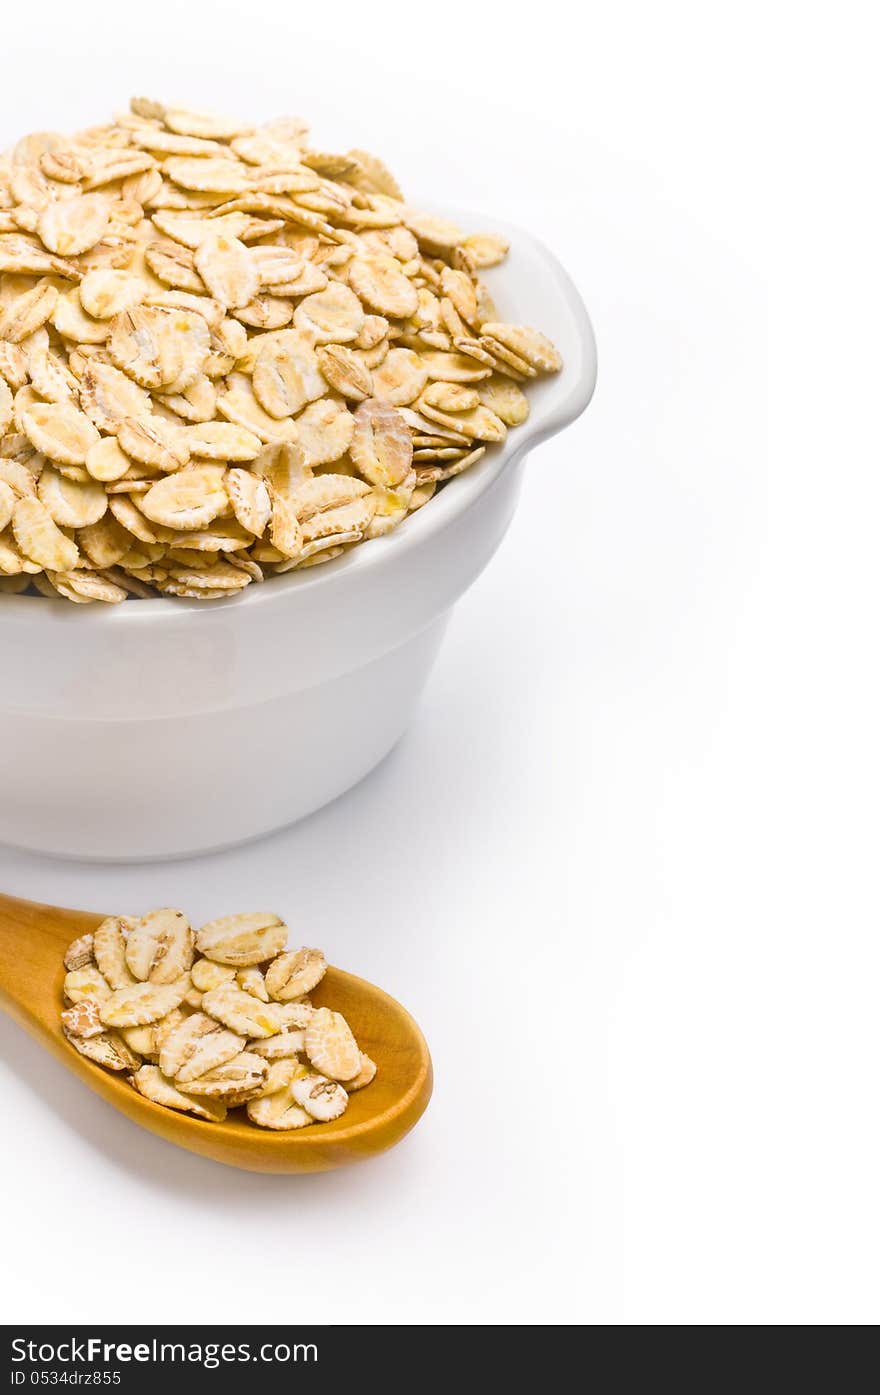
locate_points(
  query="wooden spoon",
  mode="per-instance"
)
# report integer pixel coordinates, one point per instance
(33, 939)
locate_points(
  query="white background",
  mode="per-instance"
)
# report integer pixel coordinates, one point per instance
(620, 867)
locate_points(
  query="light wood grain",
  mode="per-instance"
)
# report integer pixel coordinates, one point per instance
(33, 939)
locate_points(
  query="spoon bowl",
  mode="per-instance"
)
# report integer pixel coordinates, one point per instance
(33, 939)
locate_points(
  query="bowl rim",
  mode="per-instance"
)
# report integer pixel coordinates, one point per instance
(569, 395)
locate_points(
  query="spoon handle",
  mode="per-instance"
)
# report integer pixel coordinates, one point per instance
(33, 938)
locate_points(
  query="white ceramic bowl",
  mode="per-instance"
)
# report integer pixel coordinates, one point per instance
(162, 728)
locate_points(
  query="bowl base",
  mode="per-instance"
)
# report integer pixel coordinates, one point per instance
(248, 771)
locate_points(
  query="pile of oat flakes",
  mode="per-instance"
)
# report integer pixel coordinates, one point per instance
(225, 354)
(209, 1020)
